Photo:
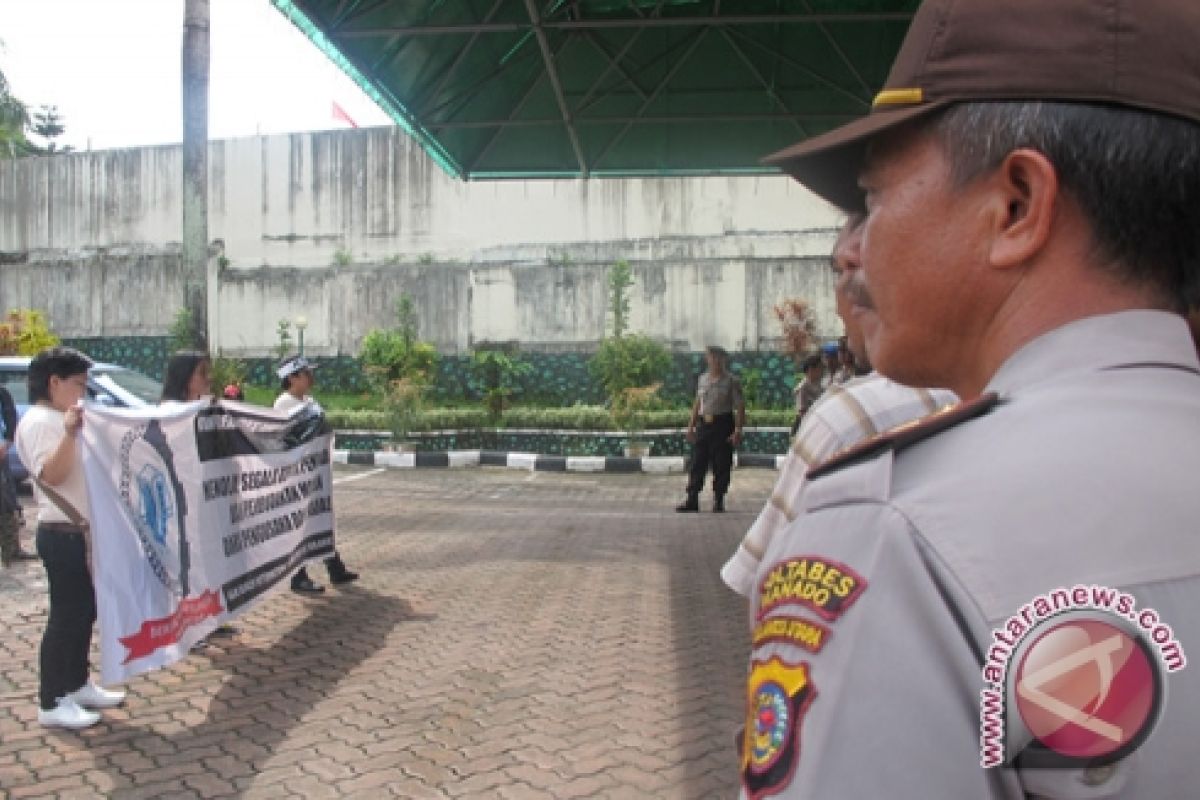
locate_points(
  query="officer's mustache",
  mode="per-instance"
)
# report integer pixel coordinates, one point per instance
(857, 294)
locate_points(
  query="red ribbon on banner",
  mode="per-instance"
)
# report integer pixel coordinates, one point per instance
(156, 633)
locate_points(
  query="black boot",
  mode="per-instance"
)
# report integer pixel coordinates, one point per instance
(338, 573)
(718, 503)
(302, 584)
(691, 504)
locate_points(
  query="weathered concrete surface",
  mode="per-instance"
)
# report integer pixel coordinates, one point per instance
(514, 635)
(335, 225)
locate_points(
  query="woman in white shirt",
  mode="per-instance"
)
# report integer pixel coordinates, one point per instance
(48, 443)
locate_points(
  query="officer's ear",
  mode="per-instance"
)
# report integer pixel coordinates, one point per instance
(1021, 197)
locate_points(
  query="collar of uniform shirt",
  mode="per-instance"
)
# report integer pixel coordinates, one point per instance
(1096, 343)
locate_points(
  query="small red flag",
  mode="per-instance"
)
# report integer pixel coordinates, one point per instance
(340, 114)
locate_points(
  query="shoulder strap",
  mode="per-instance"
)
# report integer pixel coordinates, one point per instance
(64, 505)
(907, 434)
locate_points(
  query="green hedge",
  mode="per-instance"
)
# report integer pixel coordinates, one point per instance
(579, 418)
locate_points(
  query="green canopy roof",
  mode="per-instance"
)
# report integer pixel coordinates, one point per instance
(520, 88)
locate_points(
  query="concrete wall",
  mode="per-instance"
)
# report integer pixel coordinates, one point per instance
(336, 225)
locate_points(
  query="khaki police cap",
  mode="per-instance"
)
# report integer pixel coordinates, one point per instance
(1143, 54)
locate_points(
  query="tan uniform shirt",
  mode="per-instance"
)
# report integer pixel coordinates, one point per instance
(1083, 474)
(721, 395)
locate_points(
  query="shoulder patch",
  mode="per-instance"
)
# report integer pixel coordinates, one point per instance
(909, 433)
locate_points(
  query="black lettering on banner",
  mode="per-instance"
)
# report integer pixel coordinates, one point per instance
(250, 585)
(222, 432)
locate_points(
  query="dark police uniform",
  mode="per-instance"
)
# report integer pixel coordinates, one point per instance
(718, 399)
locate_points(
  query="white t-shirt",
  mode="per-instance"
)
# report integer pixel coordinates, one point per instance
(287, 401)
(38, 436)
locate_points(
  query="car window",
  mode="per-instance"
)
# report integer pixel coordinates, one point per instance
(16, 384)
(140, 386)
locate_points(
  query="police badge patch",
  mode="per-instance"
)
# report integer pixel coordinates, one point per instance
(777, 697)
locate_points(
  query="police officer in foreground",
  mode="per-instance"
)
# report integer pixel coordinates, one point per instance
(1030, 175)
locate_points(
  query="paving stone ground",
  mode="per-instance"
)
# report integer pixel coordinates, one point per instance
(514, 635)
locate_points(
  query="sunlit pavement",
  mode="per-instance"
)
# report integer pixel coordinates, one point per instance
(514, 635)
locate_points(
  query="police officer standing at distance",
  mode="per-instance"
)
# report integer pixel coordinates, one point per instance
(1030, 177)
(715, 429)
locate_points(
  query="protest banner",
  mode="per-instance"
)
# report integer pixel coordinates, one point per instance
(198, 510)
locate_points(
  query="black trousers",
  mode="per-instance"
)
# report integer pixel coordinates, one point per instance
(712, 448)
(63, 659)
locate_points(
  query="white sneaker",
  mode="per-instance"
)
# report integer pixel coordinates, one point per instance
(93, 696)
(67, 714)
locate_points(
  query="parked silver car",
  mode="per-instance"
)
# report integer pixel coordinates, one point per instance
(108, 384)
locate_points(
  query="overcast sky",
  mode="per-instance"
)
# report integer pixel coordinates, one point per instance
(112, 68)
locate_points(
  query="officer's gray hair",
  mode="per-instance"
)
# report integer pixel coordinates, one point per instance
(1134, 174)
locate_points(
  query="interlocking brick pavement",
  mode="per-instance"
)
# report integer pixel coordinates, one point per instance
(514, 635)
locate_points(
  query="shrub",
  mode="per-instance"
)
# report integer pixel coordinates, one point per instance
(402, 406)
(498, 372)
(629, 408)
(629, 361)
(24, 332)
(396, 353)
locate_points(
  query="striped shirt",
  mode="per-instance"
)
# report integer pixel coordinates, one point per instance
(844, 416)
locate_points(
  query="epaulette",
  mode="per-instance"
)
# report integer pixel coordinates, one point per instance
(909, 433)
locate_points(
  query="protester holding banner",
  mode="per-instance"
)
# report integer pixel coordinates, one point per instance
(48, 442)
(188, 377)
(296, 375)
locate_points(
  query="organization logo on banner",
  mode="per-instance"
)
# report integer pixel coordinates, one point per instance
(151, 494)
(1074, 679)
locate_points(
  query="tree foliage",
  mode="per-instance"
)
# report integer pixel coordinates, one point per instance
(14, 117)
(25, 332)
(48, 124)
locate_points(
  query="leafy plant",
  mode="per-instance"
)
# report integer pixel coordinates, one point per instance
(799, 326)
(751, 386)
(283, 330)
(342, 257)
(226, 371)
(222, 262)
(620, 278)
(389, 355)
(425, 259)
(181, 330)
(25, 332)
(630, 406)
(625, 362)
(498, 372)
(402, 405)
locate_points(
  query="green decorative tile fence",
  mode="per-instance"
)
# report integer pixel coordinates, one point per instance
(554, 379)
